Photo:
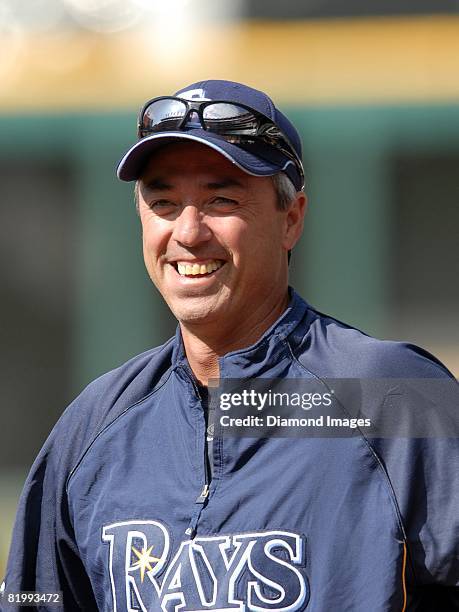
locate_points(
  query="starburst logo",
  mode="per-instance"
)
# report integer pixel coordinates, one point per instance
(145, 559)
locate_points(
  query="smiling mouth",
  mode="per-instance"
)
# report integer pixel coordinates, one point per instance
(189, 269)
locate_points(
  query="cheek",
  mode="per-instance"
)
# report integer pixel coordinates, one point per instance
(259, 242)
(148, 249)
(232, 233)
(149, 244)
(151, 253)
(149, 259)
(154, 239)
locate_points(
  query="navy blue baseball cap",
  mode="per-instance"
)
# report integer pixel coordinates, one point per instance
(256, 158)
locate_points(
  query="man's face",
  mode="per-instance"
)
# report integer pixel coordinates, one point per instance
(214, 241)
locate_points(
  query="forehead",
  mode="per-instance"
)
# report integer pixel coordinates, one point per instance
(191, 158)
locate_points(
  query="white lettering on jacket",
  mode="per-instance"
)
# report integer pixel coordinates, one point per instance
(256, 572)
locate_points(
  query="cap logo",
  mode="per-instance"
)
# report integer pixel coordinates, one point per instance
(194, 94)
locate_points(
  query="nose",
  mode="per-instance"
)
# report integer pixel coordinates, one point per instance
(190, 228)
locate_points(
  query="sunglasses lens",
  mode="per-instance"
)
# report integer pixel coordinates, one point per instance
(162, 115)
(223, 118)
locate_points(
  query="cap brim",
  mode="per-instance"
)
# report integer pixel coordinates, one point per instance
(266, 162)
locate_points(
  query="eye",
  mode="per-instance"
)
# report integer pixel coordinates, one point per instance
(162, 207)
(222, 202)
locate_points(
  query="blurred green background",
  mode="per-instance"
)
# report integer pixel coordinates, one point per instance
(375, 95)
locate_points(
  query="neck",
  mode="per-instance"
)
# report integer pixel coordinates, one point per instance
(204, 345)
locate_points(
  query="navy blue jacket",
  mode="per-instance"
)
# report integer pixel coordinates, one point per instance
(316, 524)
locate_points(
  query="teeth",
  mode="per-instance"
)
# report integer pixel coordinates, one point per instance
(186, 269)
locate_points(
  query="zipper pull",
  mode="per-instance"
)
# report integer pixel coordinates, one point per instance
(203, 495)
(200, 501)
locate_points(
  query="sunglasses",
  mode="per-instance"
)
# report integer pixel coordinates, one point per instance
(236, 123)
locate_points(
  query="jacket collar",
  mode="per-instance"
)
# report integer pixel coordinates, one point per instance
(271, 348)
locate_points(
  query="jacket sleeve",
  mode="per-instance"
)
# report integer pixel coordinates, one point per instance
(43, 555)
(422, 464)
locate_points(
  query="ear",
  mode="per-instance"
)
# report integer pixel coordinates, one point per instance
(294, 220)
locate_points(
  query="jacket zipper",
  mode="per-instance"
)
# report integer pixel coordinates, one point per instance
(202, 499)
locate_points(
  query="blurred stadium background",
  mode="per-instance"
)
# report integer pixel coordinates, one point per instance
(373, 88)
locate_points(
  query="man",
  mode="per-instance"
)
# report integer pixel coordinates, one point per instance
(130, 507)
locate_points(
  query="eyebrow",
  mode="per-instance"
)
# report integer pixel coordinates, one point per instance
(226, 182)
(159, 184)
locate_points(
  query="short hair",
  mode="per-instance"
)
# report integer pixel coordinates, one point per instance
(285, 191)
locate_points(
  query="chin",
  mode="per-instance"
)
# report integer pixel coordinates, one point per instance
(196, 310)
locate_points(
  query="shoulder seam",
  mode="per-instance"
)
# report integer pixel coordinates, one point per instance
(99, 433)
(381, 467)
